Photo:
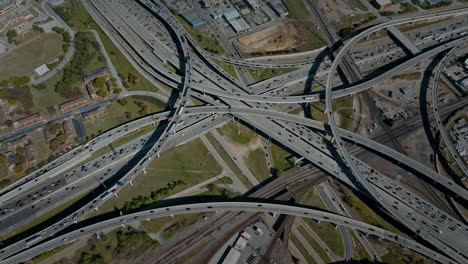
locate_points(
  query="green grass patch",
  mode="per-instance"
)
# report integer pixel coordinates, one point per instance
(40, 146)
(222, 181)
(329, 235)
(317, 111)
(302, 249)
(399, 255)
(315, 245)
(191, 163)
(46, 255)
(257, 164)
(116, 114)
(408, 76)
(229, 68)
(367, 214)
(358, 4)
(168, 226)
(267, 73)
(232, 165)
(22, 60)
(360, 252)
(17, 95)
(313, 40)
(204, 37)
(297, 9)
(76, 15)
(283, 161)
(312, 198)
(120, 244)
(238, 133)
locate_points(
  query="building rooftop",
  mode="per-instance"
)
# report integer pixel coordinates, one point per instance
(231, 14)
(41, 70)
(192, 17)
(239, 24)
(6, 3)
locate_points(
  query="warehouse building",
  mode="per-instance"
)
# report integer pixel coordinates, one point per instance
(192, 17)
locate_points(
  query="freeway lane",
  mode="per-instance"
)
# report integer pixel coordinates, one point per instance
(357, 175)
(227, 206)
(435, 109)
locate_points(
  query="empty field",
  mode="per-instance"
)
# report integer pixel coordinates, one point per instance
(24, 59)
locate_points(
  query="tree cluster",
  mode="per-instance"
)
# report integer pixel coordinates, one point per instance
(86, 50)
(141, 201)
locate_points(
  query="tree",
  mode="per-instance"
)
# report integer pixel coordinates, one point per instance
(4, 83)
(102, 93)
(123, 101)
(210, 187)
(38, 28)
(11, 35)
(100, 83)
(9, 123)
(117, 91)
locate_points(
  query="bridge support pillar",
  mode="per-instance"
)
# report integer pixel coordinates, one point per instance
(98, 236)
(172, 215)
(144, 171)
(274, 214)
(318, 221)
(97, 209)
(131, 183)
(336, 226)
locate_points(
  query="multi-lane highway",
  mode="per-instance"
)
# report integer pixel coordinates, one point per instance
(215, 78)
(228, 206)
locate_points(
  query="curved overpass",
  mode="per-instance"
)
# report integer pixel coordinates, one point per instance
(359, 177)
(227, 206)
(440, 125)
(315, 96)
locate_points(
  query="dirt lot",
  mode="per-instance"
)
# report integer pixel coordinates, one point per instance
(283, 36)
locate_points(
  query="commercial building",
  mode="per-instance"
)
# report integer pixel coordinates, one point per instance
(232, 256)
(254, 4)
(464, 83)
(279, 8)
(41, 70)
(381, 4)
(7, 5)
(192, 17)
(16, 22)
(236, 21)
(211, 3)
(72, 103)
(27, 120)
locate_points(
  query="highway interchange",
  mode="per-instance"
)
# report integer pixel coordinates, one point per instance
(264, 120)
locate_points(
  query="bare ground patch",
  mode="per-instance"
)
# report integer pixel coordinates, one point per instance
(279, 37)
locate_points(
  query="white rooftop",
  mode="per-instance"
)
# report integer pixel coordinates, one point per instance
(41, 70)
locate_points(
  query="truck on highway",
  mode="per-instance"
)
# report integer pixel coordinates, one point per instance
(181, 109)
(144, 162)
(105, 195)
(33, 240)
(172, 127)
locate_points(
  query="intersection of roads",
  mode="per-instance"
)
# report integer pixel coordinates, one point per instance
(228, 97)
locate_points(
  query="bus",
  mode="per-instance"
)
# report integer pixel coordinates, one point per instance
(32, 240)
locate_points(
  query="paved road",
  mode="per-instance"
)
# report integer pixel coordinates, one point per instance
(435, 108)
(226, 206)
